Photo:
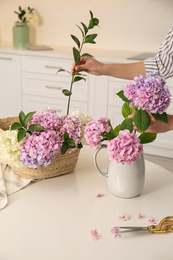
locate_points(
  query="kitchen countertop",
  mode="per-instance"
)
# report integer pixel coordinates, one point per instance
(52, 219)
(66, 52)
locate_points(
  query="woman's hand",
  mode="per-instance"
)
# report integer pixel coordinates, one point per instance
(88, 65)
(156, 126)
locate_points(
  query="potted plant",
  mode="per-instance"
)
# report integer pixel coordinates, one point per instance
(144, 95)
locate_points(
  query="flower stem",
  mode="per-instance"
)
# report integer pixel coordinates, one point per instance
(69, 98)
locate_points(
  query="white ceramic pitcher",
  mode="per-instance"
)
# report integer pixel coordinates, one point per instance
(124, 180)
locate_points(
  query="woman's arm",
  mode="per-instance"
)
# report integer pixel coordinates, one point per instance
(118, 70)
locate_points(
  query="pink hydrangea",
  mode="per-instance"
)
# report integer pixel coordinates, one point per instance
(95, 130)
(148, 93)
(48, 119)
(40, 149)
(125, 148)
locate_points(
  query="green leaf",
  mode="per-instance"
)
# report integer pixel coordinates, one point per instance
(71, 143)
(127, 110)
(117, 129)
(78, 74)
(28, 118)
(146, 138)
(86, 55)
(127, 124)
(76, 40)
(21, 134)
(66, 92)
(88, 40)
(80, 30)
(110, 135)
(95, 21)
(85, 28)
(80, 145)
(22, 117)
(121, 95)
(60, 70)
(64, 148)
(91, 36)
(35, 127)
(76, 55)
(91, 15)
(91, 25)
(66, 136)
(162, 117)
(77, 78)
(141, 120)
(15, 126)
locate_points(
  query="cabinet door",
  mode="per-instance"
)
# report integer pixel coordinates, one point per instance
(10, 85)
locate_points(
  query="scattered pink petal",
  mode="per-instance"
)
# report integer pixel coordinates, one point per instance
(99, 195)
(94, 234)
(152, 220)
(140, 216)
(115, 232)
(124, 217)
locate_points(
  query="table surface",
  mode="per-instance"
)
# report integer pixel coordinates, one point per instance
(52, 219)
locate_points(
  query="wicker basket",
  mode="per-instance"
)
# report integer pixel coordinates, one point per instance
(61, 164)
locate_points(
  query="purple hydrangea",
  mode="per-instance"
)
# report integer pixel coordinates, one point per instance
(149, 93)
(40, 149)
(95, 130)
(125, 148)
(48, 119)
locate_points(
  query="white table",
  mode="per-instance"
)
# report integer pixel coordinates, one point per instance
(52, 219)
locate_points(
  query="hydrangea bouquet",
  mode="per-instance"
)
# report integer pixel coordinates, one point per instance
(38, 137)
(144, 93)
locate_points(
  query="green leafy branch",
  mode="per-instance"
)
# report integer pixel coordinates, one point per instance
(22, 125)
(86, 38)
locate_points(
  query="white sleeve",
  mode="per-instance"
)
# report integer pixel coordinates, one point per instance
(162, 63)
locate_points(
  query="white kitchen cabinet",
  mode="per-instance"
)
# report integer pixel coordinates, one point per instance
(10, 85)
(42, 86)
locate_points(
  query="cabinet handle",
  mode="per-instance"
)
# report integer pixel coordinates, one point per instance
(54, 87)
(3, 58)
(52, 67)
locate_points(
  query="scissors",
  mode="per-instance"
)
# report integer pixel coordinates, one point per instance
(165, 225)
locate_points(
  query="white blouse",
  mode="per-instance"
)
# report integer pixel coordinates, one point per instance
(162, 63)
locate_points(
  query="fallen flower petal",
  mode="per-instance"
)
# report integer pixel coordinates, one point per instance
(152, 220)
(115, 232)
(124, 217)
(140, 216)
(94, 235)
(99, 195)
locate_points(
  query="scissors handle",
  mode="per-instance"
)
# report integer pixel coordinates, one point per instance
(165, 225)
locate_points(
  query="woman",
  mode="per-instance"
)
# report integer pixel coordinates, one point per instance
(162, 63)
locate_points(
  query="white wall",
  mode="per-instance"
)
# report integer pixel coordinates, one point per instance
(136, 25)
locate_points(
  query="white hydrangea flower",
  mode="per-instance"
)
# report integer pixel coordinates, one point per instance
(10, 148)
(31, 17)
(85, 118)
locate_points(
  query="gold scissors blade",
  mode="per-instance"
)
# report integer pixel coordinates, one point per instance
(165, 225)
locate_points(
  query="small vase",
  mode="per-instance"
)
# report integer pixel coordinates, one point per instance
(124, 180)
(20, 34)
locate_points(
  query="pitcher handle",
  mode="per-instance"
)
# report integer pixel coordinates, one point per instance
(95, 159)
